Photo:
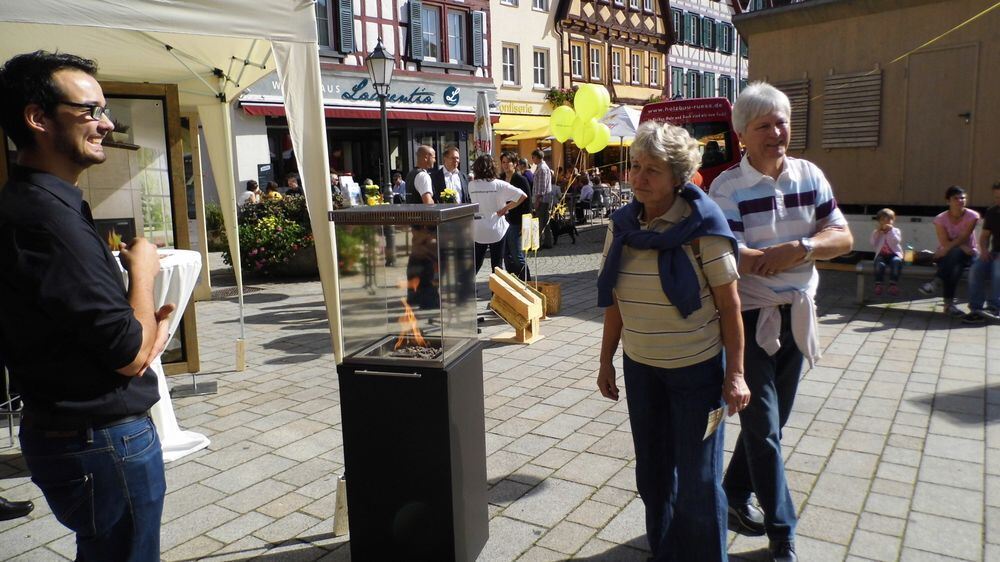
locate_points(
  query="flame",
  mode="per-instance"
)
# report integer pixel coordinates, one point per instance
(408, 330)
(114, 240)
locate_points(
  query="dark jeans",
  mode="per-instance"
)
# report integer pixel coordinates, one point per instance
(496, 255)
(108, 491)
(984, 283)
(891, 262)
(950, 269)
(542, 212)
(513, 254)
(757, 465)
(676, 472)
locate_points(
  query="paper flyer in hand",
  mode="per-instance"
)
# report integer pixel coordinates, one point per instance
(715, 417)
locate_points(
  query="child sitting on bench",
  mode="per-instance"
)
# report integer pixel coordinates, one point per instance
(887, 243)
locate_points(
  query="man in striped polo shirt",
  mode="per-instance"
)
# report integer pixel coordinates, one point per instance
(784, 215)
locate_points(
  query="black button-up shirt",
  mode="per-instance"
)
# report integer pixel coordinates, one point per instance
(65, 321)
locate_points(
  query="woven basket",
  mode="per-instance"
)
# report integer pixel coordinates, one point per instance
(553, 296)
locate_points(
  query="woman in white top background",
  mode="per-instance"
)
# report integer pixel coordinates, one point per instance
(495, 197)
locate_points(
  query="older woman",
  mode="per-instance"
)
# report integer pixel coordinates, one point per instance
(495, 197)
(669, 284)
(956, 234)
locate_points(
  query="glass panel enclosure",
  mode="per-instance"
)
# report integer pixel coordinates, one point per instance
(407, 281)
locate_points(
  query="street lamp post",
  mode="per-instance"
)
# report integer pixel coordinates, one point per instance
(380, 66)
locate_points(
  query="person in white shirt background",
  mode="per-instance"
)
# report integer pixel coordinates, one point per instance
(495, 198)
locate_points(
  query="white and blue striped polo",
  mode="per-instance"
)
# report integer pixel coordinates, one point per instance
(764, 212)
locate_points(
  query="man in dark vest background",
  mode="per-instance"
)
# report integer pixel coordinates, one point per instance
(419, 188)
(450, 176)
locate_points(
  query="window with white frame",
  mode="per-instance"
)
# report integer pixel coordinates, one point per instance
(634, 4)
(636, 70)
(542, 5)
(508, 2)
(677, 24)
(619, 2)
(676, 81)
(540, 68)
(725, 38)
(708, 84)
(708, 33)
(654, 70)
(595, 63)
(693, 86)
(616, 66)
(509, 63)
(691, 36)
(430, 23)
(647, 5)
(726, 87)
(456, 37)
(576, 60)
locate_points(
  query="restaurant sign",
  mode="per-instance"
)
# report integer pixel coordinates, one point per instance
(350, 90)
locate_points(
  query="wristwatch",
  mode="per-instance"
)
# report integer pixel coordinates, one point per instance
(807, 245)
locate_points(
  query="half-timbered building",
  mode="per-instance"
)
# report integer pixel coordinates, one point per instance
(622, 44)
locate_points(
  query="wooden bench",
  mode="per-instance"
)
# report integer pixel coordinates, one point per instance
(866, 268)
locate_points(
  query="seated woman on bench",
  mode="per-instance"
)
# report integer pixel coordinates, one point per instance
(956, 247)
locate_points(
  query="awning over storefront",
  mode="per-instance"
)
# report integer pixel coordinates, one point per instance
(511, 124)
(539, 133)
(277, 110)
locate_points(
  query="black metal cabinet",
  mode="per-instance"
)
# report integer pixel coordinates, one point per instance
(415, 455)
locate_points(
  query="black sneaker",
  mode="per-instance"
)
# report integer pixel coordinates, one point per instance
(782, 551)
(974, 317)
(746, 519)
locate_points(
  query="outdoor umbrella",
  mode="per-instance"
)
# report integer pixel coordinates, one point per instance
(483, 133)
(623, 122)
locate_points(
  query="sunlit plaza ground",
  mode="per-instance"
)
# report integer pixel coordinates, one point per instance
(892, 450)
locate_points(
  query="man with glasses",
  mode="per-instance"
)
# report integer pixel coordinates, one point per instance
(76, 344)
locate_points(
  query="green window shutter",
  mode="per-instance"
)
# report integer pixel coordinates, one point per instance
(416, 30)
(345, 42)
(687, 29)
(478, 23)
(720, 36)
(708, 33)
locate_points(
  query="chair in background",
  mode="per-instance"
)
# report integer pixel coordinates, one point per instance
(10, 403)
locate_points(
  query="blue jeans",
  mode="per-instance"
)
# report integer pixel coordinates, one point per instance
(513, 254)
(677, 474)
(891, 262)
(108, 491)
(984, 274)
(757, 465)
(950, 269)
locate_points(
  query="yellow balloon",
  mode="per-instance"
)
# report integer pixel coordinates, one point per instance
(561, 122)
(604, 99)
(587, 101)
(602, 135)
(584, 131)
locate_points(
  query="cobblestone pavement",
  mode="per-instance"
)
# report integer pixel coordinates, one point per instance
(893, 449)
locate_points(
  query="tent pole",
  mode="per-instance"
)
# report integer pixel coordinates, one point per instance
(227, 122)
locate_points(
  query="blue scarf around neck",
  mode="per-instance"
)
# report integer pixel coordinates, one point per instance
(677, 276)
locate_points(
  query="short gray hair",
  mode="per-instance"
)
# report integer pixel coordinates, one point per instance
(671, 144)
(756, 100)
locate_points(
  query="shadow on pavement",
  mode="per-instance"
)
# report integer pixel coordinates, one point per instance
(634, 551)
(13, 464)
(964, 407)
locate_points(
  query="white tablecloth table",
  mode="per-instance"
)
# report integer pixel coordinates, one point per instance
(178, 275)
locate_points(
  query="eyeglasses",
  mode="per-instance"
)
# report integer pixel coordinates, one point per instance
(96, 111)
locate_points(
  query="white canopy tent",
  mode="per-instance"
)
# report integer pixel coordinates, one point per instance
(212, 50)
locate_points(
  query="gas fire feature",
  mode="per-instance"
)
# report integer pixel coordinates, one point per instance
(411, 383)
